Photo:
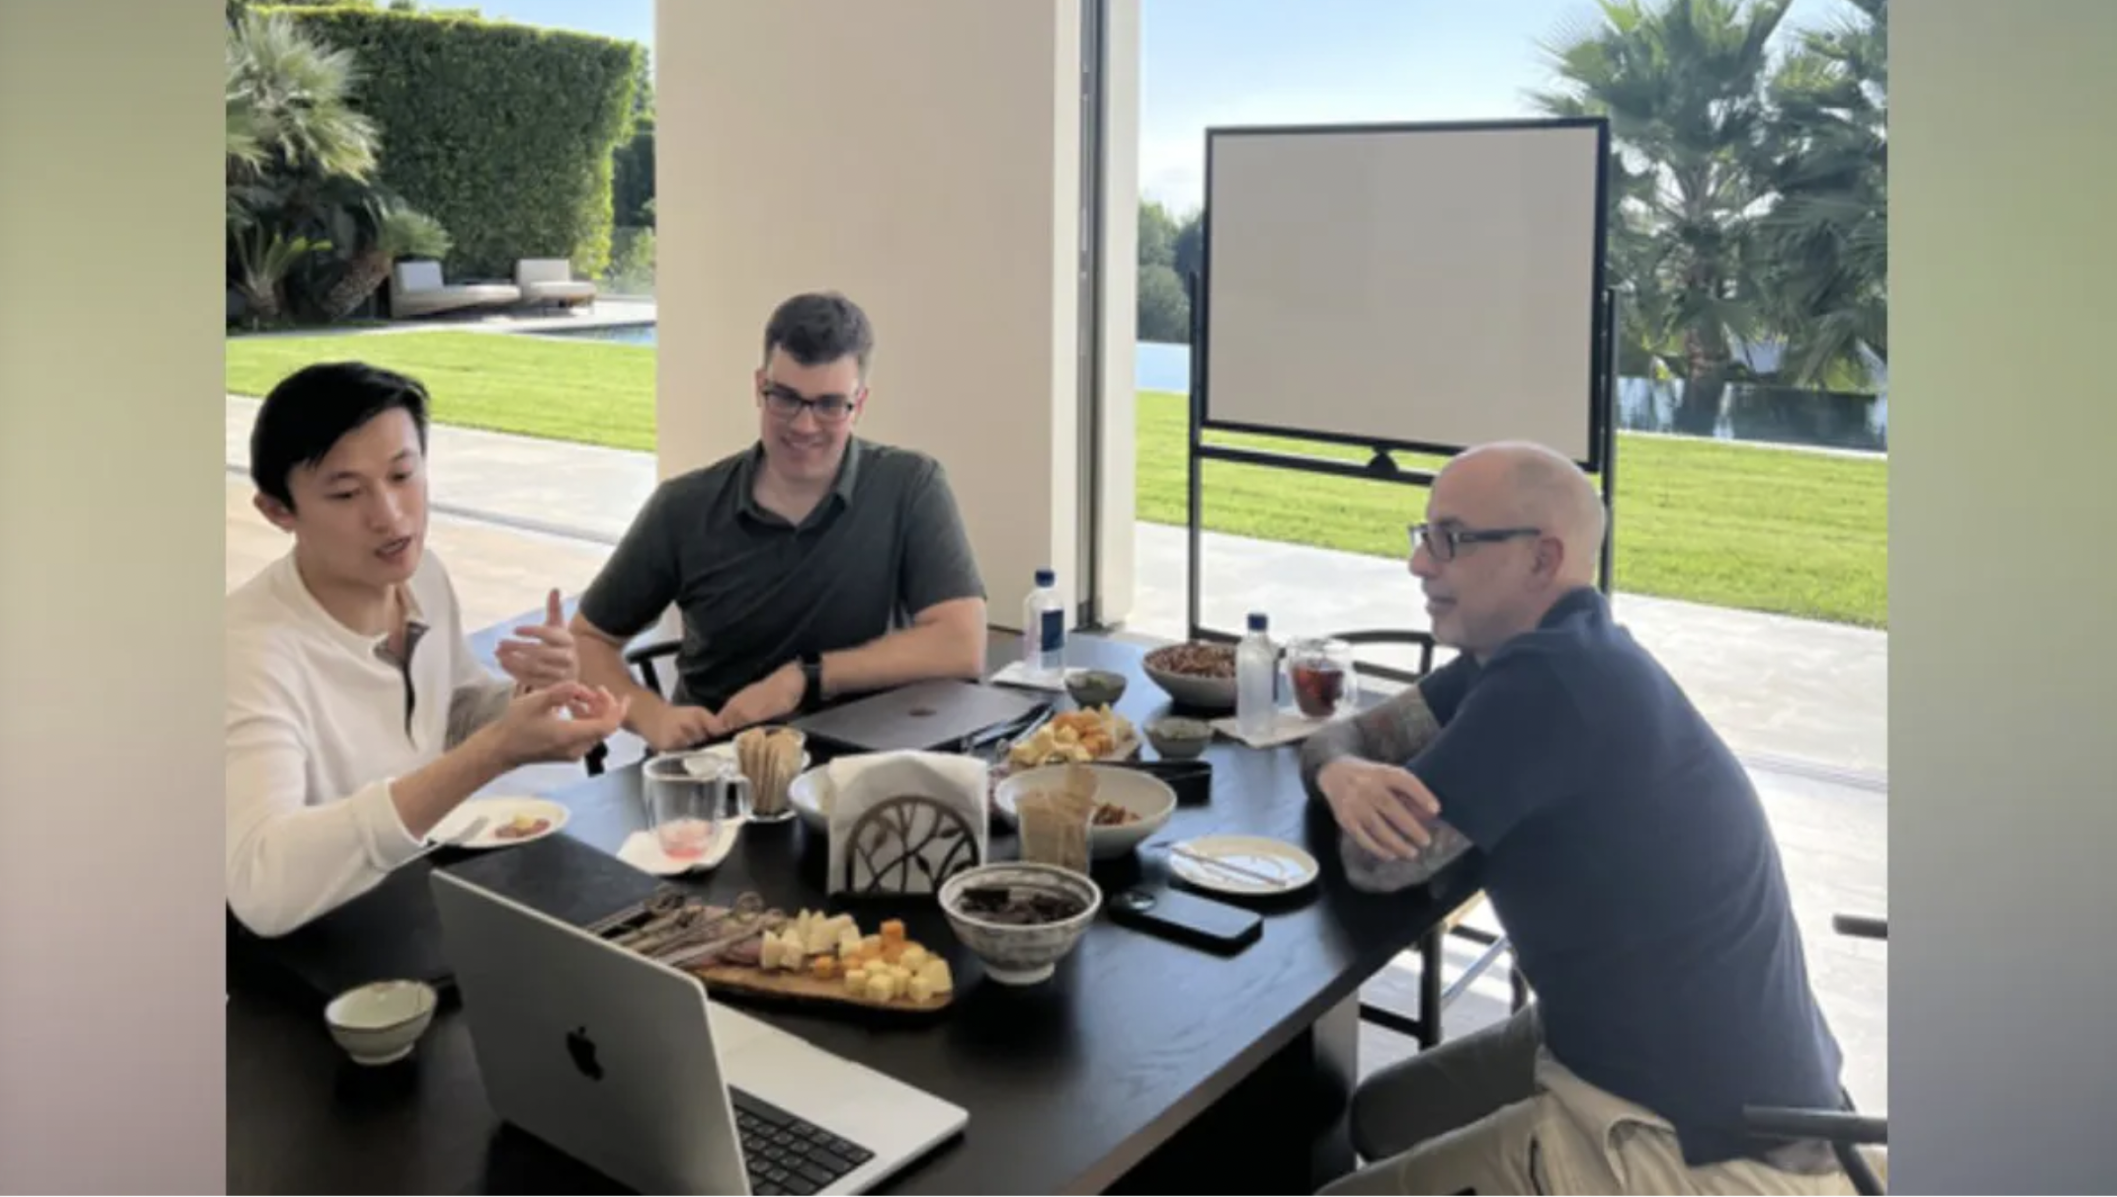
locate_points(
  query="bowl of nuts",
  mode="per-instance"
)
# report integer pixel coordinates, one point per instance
(1197, 674)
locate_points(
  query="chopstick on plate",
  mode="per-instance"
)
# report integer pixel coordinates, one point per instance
(1217, 863)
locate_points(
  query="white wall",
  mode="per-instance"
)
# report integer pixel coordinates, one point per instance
(922, 156)
(112, 1067)
(2003, 595)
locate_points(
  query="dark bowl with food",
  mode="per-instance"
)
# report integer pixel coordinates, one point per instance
(1198, 674)
(1095, 687)
(1179, 739)
(1019, 918)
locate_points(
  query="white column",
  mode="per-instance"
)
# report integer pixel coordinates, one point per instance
(2003, 954)
(922, 156)
(1119, 467)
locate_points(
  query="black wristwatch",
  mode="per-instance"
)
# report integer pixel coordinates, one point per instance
(812, 681)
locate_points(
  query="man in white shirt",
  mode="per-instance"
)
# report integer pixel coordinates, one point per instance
(357, 717)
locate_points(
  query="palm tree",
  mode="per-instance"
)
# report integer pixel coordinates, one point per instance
(1681, 84)
(264, 257)
(391, 231)
(293, 98)
(1825, 242)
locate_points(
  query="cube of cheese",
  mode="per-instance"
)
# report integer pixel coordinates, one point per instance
(920, 989)
(893, 929)
(856, 980)
(780, 952)
(914, 957)
(881, 987)
(936, 975)
(872, 944)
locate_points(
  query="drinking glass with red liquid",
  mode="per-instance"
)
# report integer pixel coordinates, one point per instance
(1320, 672)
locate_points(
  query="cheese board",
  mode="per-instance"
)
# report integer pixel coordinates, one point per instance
(812, 958)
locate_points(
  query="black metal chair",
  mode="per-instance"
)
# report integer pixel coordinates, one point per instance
(1434, 997)
(1846, 1130)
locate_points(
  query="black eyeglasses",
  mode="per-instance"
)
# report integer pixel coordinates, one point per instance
(786, 403)
(1445, 543)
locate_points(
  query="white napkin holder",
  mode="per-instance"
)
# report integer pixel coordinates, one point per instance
(904, 822)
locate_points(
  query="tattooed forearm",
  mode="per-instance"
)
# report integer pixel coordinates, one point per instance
(1393, 732)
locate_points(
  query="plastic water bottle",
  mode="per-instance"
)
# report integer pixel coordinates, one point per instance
(1256, 680)
(1044, 630)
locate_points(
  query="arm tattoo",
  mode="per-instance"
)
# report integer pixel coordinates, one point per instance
(1392, 733)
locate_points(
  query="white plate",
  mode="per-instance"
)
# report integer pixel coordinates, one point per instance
(727, 751)
(1289, 865)
(498, 813)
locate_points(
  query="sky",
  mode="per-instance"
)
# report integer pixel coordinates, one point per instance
(1243, 62)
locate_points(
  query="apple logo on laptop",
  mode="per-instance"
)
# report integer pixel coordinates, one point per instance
(582, 1049)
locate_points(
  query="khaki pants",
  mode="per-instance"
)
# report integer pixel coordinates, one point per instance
(1495, 1113)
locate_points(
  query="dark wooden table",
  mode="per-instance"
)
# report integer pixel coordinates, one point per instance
(1144, 1065)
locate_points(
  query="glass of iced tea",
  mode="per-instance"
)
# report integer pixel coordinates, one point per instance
(689, 796)
(1320, 673)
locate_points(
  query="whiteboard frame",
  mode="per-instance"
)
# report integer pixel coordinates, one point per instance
(1598, 340)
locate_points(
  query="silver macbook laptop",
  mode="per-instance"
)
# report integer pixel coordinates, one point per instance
(930, 715)
(622, 1063)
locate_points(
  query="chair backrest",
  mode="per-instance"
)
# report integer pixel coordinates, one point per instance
(424, 275)
(543, 270)
(1422, 641)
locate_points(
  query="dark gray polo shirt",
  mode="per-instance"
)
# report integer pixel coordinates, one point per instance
(756, 592)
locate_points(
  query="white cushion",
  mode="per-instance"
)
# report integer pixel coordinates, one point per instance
(543, 270)
(418, 276)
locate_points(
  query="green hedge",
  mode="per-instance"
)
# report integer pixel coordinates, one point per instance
(501, 132)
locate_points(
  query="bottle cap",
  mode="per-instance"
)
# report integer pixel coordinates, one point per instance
(1046, 577)
(1258, 621)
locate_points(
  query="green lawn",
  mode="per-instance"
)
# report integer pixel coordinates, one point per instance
(1795, 533)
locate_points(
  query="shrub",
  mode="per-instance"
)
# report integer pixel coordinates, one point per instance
(501, 132)
(632, 261)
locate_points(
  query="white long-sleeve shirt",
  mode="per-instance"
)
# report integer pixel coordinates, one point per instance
(320, 721)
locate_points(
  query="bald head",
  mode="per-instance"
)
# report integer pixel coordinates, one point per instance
(1538, 487)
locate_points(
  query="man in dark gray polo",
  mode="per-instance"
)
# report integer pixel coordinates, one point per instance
(810, 565)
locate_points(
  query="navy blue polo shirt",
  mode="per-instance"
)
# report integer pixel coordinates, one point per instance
(1631, 862)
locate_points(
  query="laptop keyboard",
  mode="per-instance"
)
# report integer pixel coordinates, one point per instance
(787, 1155)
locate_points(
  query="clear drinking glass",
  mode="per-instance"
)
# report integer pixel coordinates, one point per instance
(689, 796)
(1320, 672)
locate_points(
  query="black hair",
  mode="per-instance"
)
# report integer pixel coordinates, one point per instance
(820, 327)
(314, 408)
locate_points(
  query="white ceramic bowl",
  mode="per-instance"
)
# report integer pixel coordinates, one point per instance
(1190, 690)
(378, 1023)
(1020, 954)
(809, 796)
(1143, 794)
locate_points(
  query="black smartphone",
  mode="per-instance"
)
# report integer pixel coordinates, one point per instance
(1187, 918)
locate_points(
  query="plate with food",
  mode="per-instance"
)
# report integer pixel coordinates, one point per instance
(810, 957)
(1197, 674)
(1129, 805)
(1074, 737)
(498, 822)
